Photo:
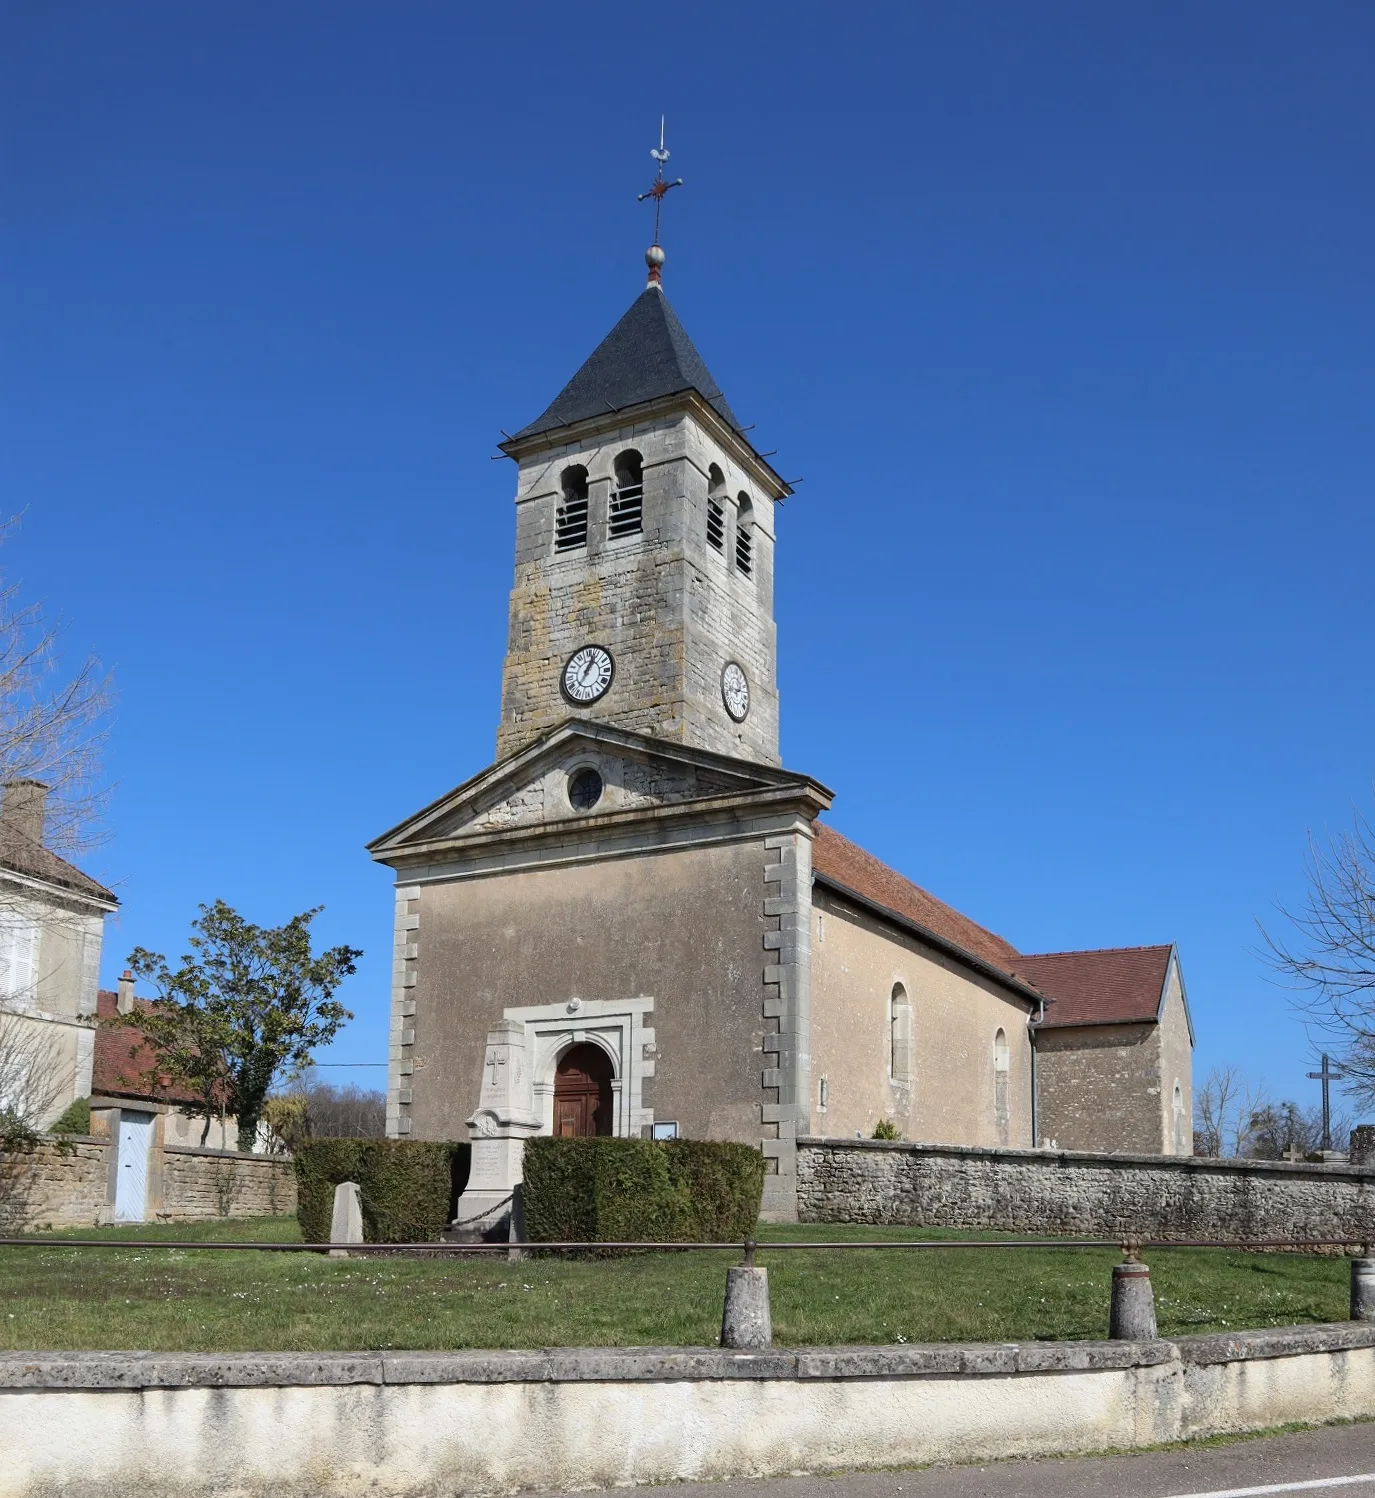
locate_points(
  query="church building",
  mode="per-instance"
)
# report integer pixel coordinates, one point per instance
(650, 908)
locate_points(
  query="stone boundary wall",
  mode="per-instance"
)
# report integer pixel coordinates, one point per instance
(200, 1184)
(57, 1185)
(67, 1183)
(391, 1425)
(1089, 1195)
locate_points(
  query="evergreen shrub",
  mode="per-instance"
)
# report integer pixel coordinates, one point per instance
(407, 1187)
(641, 1190)
(75, 1118)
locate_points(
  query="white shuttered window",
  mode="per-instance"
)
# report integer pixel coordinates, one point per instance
(18, 957)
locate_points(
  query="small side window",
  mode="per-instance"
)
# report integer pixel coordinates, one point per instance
(570, 523)
(744, 536)
(625, 517)
(900, 1035)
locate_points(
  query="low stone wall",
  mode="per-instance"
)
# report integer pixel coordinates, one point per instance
(260, 1425)
(66, 1183)
(1090, 1195)
(198, 1184)
(59, 1184)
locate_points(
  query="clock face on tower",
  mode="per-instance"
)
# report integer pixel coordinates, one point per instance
(735, 691)
(587, 676)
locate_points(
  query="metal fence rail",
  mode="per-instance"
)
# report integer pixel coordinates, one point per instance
(749, 1247)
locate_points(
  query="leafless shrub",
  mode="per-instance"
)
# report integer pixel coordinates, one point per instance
(1327, 953)
(1224, 1108)
(53, 723)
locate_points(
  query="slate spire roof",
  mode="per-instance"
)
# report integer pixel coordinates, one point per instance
(647, 354)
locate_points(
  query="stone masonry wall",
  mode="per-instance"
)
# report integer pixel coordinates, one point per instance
(66, 1184)
(56, 1185)
(199, 1184)
(1107, 1196)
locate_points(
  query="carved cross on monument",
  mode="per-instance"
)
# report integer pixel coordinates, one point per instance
(1326, 1076)
(495, 1060)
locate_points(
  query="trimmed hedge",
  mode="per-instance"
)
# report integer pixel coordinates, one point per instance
(407, 1186)
(629, 1190)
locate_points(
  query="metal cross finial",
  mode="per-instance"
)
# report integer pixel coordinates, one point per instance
(654, 255)
(1326, 1076)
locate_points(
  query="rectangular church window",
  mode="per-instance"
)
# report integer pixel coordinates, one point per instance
(668, 1129)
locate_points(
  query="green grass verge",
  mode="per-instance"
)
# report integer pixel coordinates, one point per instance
(185, 1300)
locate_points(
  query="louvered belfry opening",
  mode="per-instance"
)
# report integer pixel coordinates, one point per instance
(716, 513)
(625, 517)
(570, 525)
(744, 539)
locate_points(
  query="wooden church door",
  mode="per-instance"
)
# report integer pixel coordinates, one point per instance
(582, 1093)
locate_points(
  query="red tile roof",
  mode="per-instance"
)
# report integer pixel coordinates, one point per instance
(1118, 985)
(123, 1058)
(839, 861)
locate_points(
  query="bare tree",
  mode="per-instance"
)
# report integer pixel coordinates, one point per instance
(1279, 1129)
(1224, 1110)
(32, 1080)
(32, 1076)
(1328, 953)
(53, 723)
(308, 1108)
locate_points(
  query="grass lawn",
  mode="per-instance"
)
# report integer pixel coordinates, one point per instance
(183, 1300)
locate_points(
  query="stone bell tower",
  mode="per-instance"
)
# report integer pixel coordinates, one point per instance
(643, 592)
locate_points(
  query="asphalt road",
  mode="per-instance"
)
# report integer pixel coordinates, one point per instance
(1338, 1461)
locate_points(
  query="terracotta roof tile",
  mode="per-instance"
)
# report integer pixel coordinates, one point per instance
(1115, 985)
(123, 1057)
(838, 860)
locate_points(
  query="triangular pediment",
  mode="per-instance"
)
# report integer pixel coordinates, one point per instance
(534, 790)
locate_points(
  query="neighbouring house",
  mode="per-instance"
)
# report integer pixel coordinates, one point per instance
(52, 921)
(124, 1080)
(637, 914)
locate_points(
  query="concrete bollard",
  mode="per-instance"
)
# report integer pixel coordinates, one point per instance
(1132, 1317)
(346, 1221)
(1363, 1289)
(746, 1321)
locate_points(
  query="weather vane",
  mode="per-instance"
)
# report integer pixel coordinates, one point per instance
(654, 255)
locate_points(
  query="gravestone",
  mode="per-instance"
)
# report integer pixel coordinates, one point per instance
(505, 1118)
(346, 1224)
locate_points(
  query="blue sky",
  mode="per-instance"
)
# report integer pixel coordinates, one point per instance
(1063, 312)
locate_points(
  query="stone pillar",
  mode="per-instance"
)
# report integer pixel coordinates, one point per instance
(504, 1120)
(747, 1321)
(1363, 1289)
(346, 1223)
(1132, 1317)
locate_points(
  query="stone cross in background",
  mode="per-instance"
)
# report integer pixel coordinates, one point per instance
(1326, 1076)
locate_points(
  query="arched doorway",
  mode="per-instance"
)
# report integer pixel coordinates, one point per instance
(582, 1093)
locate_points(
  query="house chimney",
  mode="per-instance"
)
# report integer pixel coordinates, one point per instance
(124, 1002)
(23, 807)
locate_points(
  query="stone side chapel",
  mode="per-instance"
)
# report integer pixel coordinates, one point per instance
(635, 921)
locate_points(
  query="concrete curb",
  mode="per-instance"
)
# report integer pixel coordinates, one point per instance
(183, 1370)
